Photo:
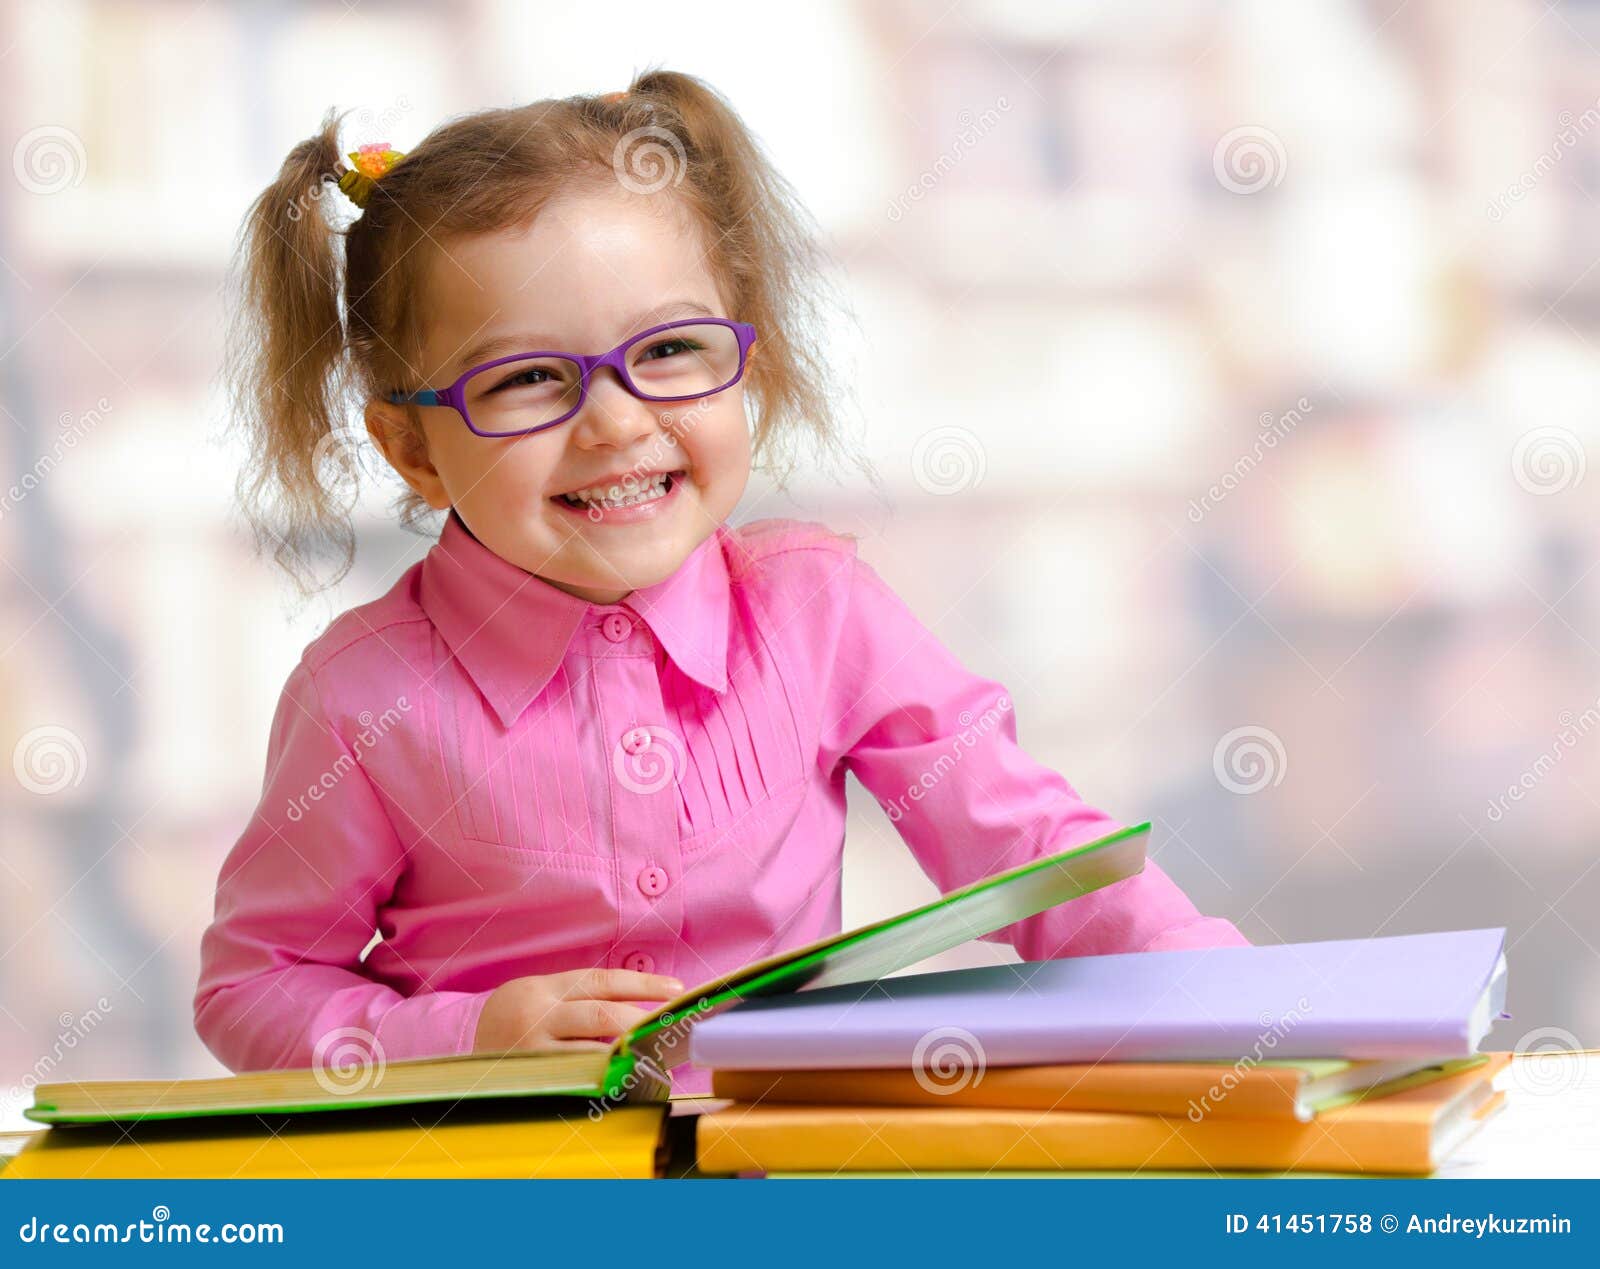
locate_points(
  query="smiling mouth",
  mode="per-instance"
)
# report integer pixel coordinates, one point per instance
(632, 492)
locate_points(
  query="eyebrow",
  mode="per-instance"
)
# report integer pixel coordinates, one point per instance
(523, 341)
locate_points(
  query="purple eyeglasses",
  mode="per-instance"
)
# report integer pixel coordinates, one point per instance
(532, 391)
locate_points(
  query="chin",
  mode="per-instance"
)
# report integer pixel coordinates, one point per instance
(648, 565)
(631, 569)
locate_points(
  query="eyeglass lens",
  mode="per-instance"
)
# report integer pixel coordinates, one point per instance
(684, 361)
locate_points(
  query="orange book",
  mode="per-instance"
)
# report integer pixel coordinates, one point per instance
(1195, 1090)
(1409, 1132)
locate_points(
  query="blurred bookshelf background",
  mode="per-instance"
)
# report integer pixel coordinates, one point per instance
(1229, 369)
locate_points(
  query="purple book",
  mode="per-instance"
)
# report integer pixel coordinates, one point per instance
(1413, 996)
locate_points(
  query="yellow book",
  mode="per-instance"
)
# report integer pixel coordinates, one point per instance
(1409, 1132)
(626, 1141)
(633, 1067)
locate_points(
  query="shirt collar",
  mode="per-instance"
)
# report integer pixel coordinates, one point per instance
(510, 628)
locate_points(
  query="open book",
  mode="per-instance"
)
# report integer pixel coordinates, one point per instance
(633, 1067)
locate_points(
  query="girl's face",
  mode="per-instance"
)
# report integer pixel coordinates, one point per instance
(591, 271)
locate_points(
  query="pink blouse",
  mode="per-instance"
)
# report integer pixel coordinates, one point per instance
(503, 779)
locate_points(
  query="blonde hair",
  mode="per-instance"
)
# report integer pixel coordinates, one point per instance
(315, 328)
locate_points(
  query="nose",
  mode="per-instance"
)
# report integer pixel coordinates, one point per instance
(612, 417)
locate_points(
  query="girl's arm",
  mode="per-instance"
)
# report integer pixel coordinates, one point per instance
(297, 902)
(937, 746)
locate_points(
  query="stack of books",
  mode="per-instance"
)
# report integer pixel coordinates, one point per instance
(1336, 1057)
(594, 1112)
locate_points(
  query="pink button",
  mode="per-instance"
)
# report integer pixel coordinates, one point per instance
(616, 627)
(652, 880)
(636, 740)
(643, 962)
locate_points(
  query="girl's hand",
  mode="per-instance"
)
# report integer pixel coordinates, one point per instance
(571, 1010)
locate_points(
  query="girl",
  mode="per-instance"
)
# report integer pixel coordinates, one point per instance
(593, 746)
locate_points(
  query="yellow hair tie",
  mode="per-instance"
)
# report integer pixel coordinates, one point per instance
(369, 165)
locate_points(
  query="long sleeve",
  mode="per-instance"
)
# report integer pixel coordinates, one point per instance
(297, 901)
(937, 746)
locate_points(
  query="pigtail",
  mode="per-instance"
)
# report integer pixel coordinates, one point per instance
(287, 369)
(770, 246)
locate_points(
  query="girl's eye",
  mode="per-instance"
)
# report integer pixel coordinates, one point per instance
(524, 379)
(669, 348)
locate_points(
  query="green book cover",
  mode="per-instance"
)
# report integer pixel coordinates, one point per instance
(634, 1067)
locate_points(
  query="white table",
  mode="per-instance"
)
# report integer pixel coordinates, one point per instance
(1550, 1126)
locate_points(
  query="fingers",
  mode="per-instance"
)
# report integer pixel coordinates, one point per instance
(536, 1038)
(616, 984)
(578, 1007)
(591, 1019)
(580, 1046)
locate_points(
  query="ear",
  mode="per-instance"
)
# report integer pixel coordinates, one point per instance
(392, 432)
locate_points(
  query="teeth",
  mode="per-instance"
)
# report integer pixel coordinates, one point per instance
(617, 496)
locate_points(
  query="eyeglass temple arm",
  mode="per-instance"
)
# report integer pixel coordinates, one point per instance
(425, 397)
